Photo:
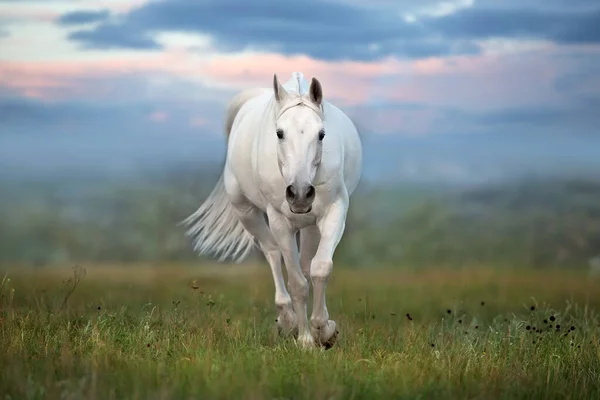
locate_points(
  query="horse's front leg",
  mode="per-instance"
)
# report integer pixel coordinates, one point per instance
(331, 227)
(298, 285)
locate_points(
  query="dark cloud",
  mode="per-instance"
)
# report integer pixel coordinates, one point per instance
(324, 30)
(111, 35)
(583, 77)
(557, 25)
(564, 5)
(583, 29)
(83, 17)
(333, 30)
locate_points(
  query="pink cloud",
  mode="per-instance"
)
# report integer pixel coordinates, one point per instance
(476, 82)
(27, 14)
(347, 82)
(487, 81)
(48, 13)
(71, 76)
(198, 121)
(33, 94)
(158, 116)
(349, 86)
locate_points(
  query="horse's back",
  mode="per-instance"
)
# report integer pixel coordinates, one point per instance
(237, 102)
(242, 151)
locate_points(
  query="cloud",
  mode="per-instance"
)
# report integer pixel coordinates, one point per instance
(14, 15)
(444, 94)
(121, 105)
(324, 30)
(382, 95)
(115, 36)
(129, 77)
(462, 78)
(337, 30)
(560, 26)
(158, 116)
(178, 71)
(16, 12)
(83, 17)
(472, 82)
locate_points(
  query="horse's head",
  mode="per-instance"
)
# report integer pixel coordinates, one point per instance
(300, 133)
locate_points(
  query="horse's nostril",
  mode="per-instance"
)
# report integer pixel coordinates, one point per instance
(310, 193)
(290, 193)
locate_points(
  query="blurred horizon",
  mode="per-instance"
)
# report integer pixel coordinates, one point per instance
(456, 159)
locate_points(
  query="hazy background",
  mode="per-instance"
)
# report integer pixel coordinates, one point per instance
(479, 120)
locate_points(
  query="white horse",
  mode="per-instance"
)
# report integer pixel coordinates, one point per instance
(293, 160)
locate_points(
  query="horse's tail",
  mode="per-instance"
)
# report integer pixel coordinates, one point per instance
(216, 230)
(214, 227)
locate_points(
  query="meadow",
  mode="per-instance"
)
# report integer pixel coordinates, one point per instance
(165, 331)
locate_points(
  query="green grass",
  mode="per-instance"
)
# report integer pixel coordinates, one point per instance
(135, 332)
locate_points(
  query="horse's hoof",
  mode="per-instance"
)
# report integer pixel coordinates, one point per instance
(326, 335)
(306, 342)
(286, 328)
(293, 333)
(329, 343)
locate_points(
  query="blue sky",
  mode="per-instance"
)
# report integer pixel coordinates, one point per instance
(459, 89)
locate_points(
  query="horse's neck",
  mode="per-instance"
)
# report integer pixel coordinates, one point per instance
(268, 115)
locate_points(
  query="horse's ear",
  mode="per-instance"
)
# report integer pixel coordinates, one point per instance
(316, 91)
(278, 89)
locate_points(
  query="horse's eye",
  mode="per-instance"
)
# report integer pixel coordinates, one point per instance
(279, 133)
(321, 134)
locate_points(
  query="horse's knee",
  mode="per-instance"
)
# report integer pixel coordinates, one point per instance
(320, 270)
(283, 301)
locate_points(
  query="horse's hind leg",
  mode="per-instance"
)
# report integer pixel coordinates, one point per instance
(254, 221)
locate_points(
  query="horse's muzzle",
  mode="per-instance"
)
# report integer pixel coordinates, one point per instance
(300, 198)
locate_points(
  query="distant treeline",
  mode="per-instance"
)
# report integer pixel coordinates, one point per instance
(527, 222)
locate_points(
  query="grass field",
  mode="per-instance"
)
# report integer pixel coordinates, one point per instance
(140, 332)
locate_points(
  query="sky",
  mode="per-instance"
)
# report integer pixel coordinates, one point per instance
(459, 89)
